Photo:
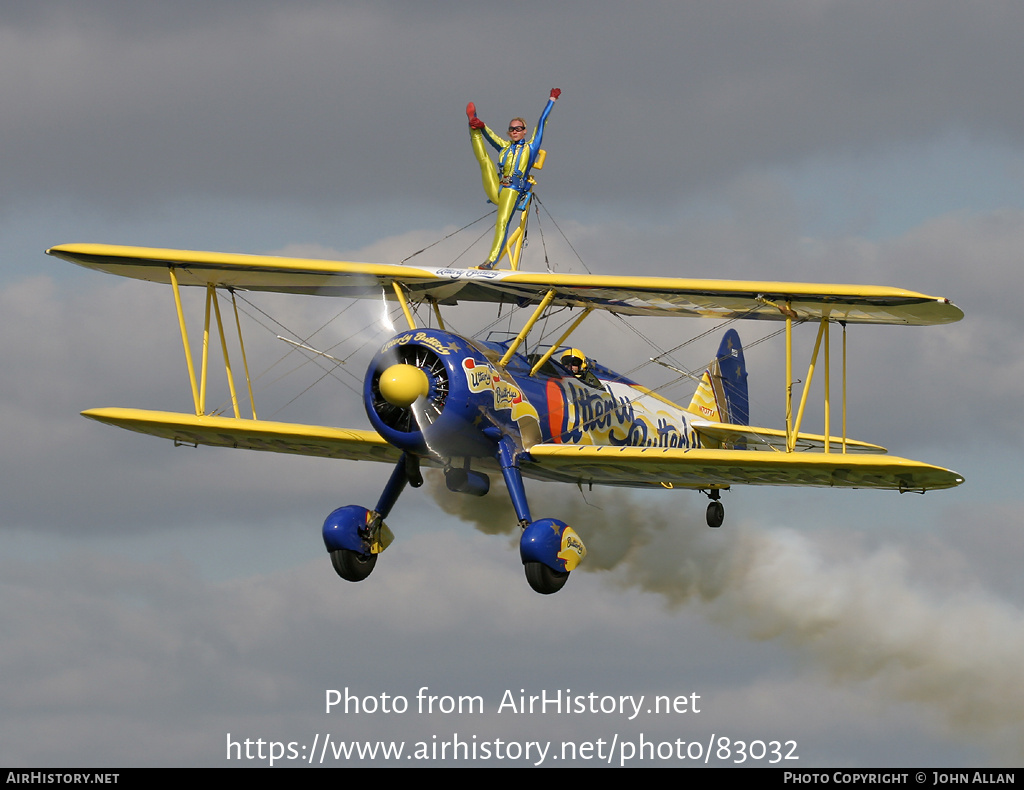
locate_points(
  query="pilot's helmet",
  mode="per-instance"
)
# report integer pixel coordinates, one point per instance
(575, 361)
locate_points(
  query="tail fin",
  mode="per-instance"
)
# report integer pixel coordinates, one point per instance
(722, 394)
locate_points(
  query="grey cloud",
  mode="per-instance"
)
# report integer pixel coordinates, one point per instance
(328, 104)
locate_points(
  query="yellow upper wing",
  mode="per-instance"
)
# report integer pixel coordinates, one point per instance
(668, 296)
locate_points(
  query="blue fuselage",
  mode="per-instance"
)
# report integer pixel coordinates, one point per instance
(472, 402)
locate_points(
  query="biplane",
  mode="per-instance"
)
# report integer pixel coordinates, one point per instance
(480, 409)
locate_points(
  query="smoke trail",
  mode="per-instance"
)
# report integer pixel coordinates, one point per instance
(859, 616)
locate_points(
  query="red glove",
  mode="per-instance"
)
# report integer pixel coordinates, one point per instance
(474, 122)
(555, 93)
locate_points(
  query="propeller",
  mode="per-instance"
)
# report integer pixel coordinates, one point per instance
(401, 384)
(409, 390)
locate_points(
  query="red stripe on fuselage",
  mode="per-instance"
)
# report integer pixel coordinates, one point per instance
(556, 410)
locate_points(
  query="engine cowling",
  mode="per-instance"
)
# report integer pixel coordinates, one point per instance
(417, 396)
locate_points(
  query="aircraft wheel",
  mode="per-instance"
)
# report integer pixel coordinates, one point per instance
(544, 579)
(351, 565)
(716, 514)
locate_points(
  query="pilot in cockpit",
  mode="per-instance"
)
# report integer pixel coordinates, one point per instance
(576, 362)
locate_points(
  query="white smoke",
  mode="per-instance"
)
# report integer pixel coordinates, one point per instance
(859, 617)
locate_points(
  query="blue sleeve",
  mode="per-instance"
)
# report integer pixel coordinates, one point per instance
(497, 143)
(538, 136)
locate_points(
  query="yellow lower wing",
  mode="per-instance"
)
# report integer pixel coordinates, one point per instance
(275, 437)
(624, 466)
(654, 466)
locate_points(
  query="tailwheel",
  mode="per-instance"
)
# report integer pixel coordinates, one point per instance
(353, 566)
(715, 514)
(544, 579)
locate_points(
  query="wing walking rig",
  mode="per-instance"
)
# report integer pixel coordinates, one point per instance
(478, 408)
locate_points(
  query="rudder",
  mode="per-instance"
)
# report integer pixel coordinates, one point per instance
(722, 394)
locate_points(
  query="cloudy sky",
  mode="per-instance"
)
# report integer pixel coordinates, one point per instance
(158, 601)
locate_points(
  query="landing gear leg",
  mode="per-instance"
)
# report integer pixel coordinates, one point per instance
(514, 480)
(716, 510)
(549, 548)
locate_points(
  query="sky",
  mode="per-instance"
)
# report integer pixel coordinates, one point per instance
(160, 604)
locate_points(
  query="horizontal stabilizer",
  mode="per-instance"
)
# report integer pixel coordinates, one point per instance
(773, 439)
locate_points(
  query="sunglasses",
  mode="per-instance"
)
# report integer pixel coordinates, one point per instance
(517, 129)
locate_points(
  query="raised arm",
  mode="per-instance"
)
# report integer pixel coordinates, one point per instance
(538, 135)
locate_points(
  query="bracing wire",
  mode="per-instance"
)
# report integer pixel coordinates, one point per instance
(453, 233)
(566, 238)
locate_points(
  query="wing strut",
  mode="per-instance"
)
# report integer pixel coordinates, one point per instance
(548, 298)
(437, 313)
(405, 305)
(844, 385)
(245, 361)
(184, 341)
(547, 355)
(828, 377)
(789, 382)
(199, 390)
(793, 429)
(807, 389)
(211, 293)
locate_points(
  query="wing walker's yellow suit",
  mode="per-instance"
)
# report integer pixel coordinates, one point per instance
(509, 182)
